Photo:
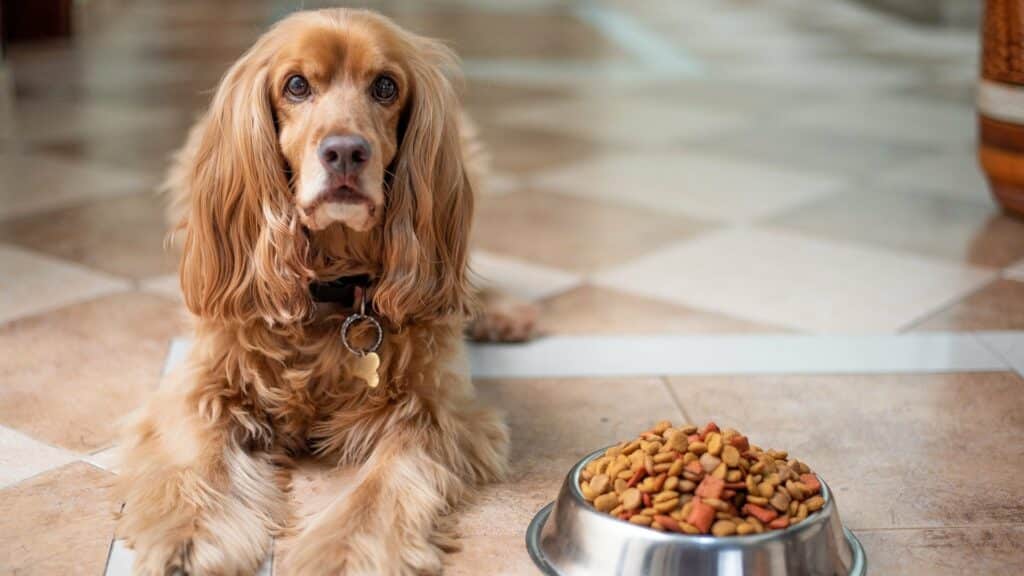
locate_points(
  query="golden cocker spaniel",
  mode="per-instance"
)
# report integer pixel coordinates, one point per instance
(327, 196)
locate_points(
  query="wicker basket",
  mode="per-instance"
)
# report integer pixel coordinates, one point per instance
(1001, 102)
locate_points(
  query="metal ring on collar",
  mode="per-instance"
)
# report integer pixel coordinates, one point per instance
(351, 320)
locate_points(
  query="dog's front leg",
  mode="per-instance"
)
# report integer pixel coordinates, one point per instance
(196, 499)
(387, 524)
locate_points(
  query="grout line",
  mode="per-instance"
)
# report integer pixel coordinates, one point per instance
(672, 393)
(915, 323)
(949, 527)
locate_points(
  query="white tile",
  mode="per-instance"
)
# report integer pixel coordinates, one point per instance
(787, 279)
(120, 559)
(107, 459)
(523, 280)
(32, 283)
(705, 187)
(906, 120)
(954, 173)
(167, 285)
(1008, 345)
(604, 356)
(32, 184)
(177, 353)
(621, 122)
(1015, 272)
(22, 457)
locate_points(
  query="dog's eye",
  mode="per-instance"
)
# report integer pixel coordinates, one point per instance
(297, 88)
(384, 89)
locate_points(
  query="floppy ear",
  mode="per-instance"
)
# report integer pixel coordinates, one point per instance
(244, 249)
(430, 201)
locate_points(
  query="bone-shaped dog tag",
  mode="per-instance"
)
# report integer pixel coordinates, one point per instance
(365, 367)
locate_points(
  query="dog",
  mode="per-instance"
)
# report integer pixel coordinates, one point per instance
(326, 200)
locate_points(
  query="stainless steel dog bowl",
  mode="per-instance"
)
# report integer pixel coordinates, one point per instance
(569, 538)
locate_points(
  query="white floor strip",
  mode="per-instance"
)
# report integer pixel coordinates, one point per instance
(120, 558)
(605, 356)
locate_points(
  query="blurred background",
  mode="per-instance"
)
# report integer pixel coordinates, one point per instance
(680, 167)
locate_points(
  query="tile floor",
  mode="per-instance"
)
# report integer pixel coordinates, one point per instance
(669, 167)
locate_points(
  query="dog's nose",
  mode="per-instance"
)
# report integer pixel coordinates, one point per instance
(344, 155)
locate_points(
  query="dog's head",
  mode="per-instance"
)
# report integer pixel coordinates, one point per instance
(333, 118)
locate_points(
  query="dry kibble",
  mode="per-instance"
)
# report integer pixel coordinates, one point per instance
(706, 480)
(723, 528)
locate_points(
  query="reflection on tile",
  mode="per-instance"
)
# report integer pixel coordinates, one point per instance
(106, 459)
(792, 280)
(954, 173)
(572, 234)
(520, 279)
(71, 374)
(591, 309)
(774, 141)
(885, 435)
(912, 121)
(22, 457)
(59, 522)
(929, 225)
(619, 122)
(945, 551)
(997, 306)
(704, 187)
(31, 283)
(582, 356)
(33, 183)
(122, 236)
(1016, 271)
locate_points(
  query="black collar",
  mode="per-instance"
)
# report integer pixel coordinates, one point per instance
(341, 291)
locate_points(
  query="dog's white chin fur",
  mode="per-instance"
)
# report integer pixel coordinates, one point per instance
(356, 216)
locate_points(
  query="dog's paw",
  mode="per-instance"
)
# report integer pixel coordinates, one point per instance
(504, 319)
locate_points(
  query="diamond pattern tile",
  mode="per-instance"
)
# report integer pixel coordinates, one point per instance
(702, 187)
(22, 457)
(31, 283)
(796, 281)
(124, 236)
(573, 234)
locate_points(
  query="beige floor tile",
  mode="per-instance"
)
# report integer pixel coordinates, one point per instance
(898, 450)
(796, 281)
(945, 551)
(32, 183)
(592, 309)
(31, 283)
(71, 374)
(704, 187)
(60, 522)
(520, 279)
(997, 306)
(931, 225)
(123, 236)
(525, 151)
(621, 123)
(498, 555)
(22, 457)
(573, 234)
